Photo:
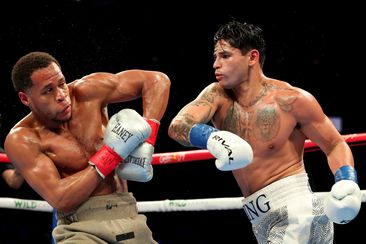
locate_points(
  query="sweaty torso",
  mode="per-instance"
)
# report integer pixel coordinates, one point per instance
(272, 131)
(71, 146)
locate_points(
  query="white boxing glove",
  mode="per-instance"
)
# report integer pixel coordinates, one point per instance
(343, 202)
(137, 166)
(125, 130)
(231, 151)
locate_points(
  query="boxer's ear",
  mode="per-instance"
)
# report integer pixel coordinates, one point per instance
(24, 98)
(253, 56)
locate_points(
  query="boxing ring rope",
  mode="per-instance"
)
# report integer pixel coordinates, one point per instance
(197, 155)
(204, 204)
(178, 204)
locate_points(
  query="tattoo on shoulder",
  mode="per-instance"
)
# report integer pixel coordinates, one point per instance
(285, 96)
(286, 101)
(208, 97)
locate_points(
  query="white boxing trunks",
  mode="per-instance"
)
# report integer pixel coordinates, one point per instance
(287, 211)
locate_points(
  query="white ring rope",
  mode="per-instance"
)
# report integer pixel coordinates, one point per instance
(178, 204)
(167, 205)
(17, 203)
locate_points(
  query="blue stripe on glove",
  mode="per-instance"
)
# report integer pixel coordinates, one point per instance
(199, 134)
(346, 172)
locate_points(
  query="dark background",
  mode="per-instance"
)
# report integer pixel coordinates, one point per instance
(318, 48)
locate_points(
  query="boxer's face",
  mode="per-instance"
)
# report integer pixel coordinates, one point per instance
(231, 66)
(49, 97)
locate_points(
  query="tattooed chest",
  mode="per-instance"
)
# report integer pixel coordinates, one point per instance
(261, 123)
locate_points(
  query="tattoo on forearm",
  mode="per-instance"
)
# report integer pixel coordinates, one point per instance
(181, 130)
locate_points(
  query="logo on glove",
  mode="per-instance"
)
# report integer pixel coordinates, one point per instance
(122, 132)
(136, 160)
(227, 147)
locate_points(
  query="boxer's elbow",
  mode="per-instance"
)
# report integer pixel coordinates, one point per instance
(179, 132)
(163, 82)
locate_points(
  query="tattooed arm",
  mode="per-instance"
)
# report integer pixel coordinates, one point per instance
(189, 128)
(200, 110)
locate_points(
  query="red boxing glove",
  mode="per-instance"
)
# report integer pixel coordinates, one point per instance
(124, 132)
(105, 160)
(154, 124)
